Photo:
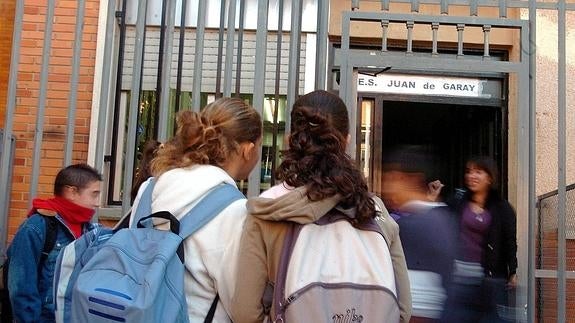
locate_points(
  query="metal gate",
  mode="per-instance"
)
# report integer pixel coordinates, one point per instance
(121, 88)
(522, 71)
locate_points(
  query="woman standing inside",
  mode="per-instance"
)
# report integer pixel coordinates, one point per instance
(220, 144)
(487, 262)
(326, 198)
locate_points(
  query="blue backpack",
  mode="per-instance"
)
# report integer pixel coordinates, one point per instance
(134, 274)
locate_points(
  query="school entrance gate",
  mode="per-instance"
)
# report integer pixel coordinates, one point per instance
(156, 57)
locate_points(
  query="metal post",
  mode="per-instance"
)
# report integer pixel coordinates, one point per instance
(39, 131)
(502, 8)
(277, 89)
(181, 54)
(460, 28)
(486, 30)
(414, 6)
(240, 48)
(444, 7)
(473, 8)
(385, 5)
(434, 29)
(134, 104)
(72, 98)
(346, 72)
(321, 44)
(105, 90)
(164, 100)
(114, 154)
(199, 56)
(410, 25)
(561, 174)
(259, 83)
(5, 171)
(230, 48)
(294, 54)
(531, 267)
(220, 49)
(384, 31)
(159, 73)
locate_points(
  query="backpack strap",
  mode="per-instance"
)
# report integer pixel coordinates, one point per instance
(279, 291)
(208, 207)
(145, 204)
(210, 317)
(50, 237)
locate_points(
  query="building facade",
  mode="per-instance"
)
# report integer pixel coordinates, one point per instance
(461, 79)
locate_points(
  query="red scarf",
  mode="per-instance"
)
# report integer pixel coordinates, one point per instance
(74, 215)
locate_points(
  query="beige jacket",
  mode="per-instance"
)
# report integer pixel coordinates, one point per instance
(262, 241)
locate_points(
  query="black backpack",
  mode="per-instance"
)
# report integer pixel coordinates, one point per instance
(49, 242)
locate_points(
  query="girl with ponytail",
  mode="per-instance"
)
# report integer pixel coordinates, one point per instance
(219, 144)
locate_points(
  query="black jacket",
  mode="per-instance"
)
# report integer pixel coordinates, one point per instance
(500, 256)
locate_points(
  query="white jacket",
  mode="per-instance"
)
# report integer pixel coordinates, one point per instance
(210, 252)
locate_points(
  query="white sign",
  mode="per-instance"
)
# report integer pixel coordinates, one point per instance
(421, 85)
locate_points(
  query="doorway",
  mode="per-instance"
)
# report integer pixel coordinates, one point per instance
(449, 132)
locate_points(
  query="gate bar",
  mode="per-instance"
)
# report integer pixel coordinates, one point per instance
(561, 175)
(240, 48)
(73, 95)
(259, 84)
(159, 71)
(531, 266)
(39, 131)
(321, 44)
(105, 88)
(199, 56)
(503, 8)
(133, 111)
(114, 154)
(230, 48)
(294, 54)
(182, 36)
(218, 93)
(164, 99)
(5, 170)
(277, 87)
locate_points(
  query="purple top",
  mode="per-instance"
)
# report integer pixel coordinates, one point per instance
(474, 228)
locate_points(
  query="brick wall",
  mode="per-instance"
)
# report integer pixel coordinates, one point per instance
(546, 288)
(60, 69)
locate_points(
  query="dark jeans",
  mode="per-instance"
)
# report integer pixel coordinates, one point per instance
(476, 303)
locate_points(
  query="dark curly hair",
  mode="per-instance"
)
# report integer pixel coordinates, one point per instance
(316, 156)
(209, 137)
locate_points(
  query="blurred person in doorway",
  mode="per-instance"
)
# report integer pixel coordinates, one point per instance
(485, 269)
(426, 229)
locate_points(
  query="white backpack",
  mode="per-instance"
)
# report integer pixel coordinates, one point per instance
(331, 271)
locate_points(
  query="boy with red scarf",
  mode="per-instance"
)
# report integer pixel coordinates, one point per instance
(30, 273)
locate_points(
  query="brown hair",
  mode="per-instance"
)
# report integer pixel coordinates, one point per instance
(316, 155)
(209, 137)
(143, 173)
(77, 175)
